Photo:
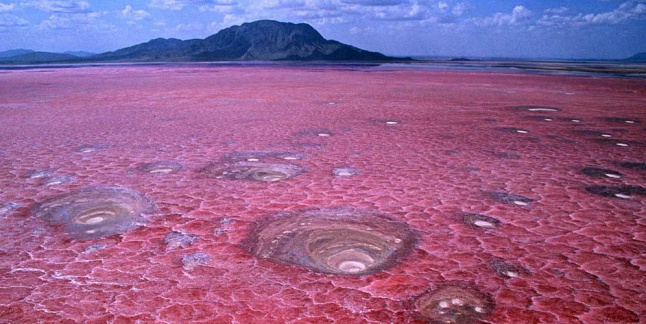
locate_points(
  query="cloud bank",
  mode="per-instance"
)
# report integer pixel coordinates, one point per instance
(413, 26)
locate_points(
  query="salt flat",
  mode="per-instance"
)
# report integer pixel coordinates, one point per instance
(144, 193)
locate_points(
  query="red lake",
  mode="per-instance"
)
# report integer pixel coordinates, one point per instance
(319, 194)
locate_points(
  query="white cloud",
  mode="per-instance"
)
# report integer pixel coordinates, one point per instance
(325, 12)
(277, 4)
(84, 21)
(69, 6)
(135, 15)
(6, 7)
(167, 4)
(375, 3)
(518, 15)
(223, 8)
(189, 28)
(626, 11)
(203, 5)
(228, 20)
(7, 20)
(218, 6)
(460, 8)
(557, 11)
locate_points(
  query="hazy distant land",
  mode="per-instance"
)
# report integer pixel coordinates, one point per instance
(273, 41)
(263, 40)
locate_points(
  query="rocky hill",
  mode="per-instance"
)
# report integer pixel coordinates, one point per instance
(14, 52)
(38, 57)
(264, 40)
(639, 57)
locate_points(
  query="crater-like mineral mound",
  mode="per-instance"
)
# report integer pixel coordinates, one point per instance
(262, 156)
(344, 241)
(160, 167)
(94, 212)
(509, 199)
(453, 304)
(538, 108)
(256, 171)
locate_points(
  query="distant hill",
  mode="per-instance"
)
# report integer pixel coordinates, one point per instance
(639, 57)
(14, 52)
(263, 40)
(79, 53)
(39, 57)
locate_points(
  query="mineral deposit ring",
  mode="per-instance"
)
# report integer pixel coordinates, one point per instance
(94, 212)
(344, 241)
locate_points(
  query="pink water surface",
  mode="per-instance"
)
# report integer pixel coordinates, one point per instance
(580, 256)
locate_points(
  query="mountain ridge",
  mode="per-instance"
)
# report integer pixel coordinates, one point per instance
(262, 40)
(639, 57)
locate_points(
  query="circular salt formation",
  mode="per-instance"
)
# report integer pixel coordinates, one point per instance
(256, 171)
(38, 174)
(95, 211)
(538, 108)
(592, 133)
(540, 117)
(512, 130)
(55, 181)
(601, 173)
(321, 132)
(160, 167)
(255, 156)
(624, 192)
(6, 208)
(608, 141)
(510, 199)
(640, 166)
(506, 269)
(345, 241)
(191, 261)
(624, 120)
(176, 239)
(91, 148)
(345, 172)
(481, 221)
(387, 122)
(507, 155)
(453, 304)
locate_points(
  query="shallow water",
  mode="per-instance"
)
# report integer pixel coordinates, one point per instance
(523, 194)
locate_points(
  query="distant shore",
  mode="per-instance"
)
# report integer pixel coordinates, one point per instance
(599, 68)
(621, 69)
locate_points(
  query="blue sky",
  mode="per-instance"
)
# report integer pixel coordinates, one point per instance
(471, 28)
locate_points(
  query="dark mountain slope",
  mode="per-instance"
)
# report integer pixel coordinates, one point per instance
(38, 57)
(264, 40)
(79, 53)
(639, 57)
(14, 52)
(159, 49)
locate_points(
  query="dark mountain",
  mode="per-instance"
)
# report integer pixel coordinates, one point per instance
(14, 52)
(639, 57)
(79, 53)
(264, 40)
(156, 50)
(38, 57)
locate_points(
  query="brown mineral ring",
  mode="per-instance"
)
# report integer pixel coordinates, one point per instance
(453, 304)
(160, 167)
(95, 211)
(256, 171)
(344, 240)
